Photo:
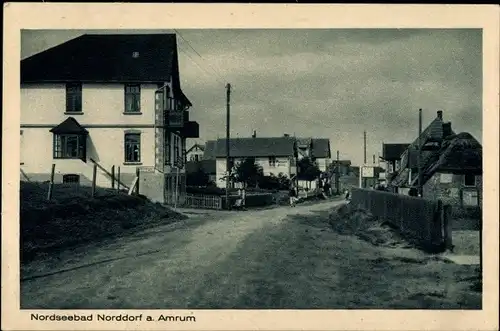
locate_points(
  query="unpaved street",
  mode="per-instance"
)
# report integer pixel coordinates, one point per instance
(276, 258)
(161, 267)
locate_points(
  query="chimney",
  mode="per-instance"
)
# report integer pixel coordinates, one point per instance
(446, 129)
(254, 134)
(440, 114)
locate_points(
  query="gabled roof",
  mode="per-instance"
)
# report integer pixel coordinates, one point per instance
(265, 146)
(321, 148)
(459, 154)
(69, 126)
(210, 150)
(107, 58)
(201, 147)
(255, 147)
(392, 152)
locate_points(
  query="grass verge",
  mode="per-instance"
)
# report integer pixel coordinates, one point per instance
(73, 217)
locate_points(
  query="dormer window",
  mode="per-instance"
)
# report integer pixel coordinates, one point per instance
(135, 55)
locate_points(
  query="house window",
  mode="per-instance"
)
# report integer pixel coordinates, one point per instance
(470, 198)
(469, 180)
(71, 178)
(195, 158)
(272, 161)
(69, 146)
(74, 98)
(132, 147)
(446, 178)
(177, 149)
(132, 98)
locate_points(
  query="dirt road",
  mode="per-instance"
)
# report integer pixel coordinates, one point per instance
(277, 258)
(160, 267)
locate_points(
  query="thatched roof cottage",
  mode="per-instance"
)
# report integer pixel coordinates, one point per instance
(452, 171)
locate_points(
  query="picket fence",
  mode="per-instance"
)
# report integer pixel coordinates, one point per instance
(202, 201)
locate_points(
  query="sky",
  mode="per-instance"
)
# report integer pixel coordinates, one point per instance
(333, 83)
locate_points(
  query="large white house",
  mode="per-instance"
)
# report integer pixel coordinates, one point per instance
(274, 154)
(99, 99)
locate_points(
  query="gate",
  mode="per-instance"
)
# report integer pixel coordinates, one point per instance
(170, 189)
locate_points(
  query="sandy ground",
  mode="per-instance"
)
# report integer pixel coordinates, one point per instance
(276, 258)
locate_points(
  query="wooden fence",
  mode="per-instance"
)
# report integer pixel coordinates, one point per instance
(203, 201)
(425, 222)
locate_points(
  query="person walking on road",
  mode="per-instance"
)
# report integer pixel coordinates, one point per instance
(293, 196)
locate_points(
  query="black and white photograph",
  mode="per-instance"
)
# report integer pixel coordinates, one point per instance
(250, 169)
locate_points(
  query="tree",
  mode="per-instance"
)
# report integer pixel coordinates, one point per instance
(248, 172)
(198, 178)
(307, 170)
(284, 181)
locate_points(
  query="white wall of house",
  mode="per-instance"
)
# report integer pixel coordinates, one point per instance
(323, 163)
(282, 165)
(103, 105)
(104, 145)
(195, 154)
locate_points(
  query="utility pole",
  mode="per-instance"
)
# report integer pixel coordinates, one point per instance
(337, 177)
(420, 174)
(364, 159)
(228, 163)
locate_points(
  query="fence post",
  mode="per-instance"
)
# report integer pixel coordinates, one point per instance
(51, 184)
(137, 174)
(94, 180)
(118, 181)
(448, 238)
(113, 177)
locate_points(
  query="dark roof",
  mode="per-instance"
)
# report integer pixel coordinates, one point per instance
(255, 147)
(210, 150)
(264, 146)
(208, 166)
(392, 152)
(321, 148)
(69, 126)
(107, 58)
(436, 131)
(459, 154)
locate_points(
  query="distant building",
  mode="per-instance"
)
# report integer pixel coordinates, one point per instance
(274, 154)
(207, 166)
(195, 153)
(451, 166)
(343, 165)
(391, 156)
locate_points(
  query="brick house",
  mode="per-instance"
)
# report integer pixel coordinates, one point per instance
(454, 173)
(451, 167)
(109, 100)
